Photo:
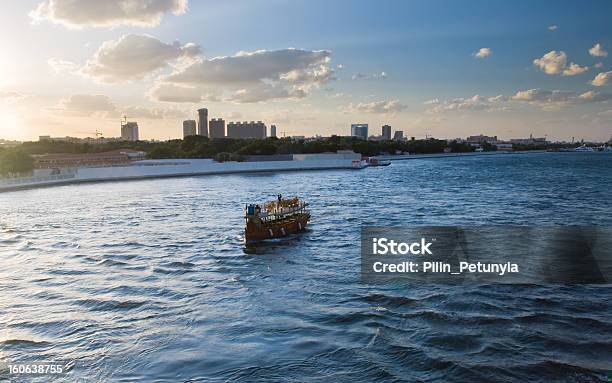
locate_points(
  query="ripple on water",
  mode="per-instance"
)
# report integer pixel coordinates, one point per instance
(151, 281)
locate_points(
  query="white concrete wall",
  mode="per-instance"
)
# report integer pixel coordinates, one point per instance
(327, 156)
(175, 167)
(204, 166)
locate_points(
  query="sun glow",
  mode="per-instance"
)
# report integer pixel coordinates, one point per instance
(9, 124)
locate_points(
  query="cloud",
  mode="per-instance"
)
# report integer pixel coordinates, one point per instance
(380, 107)
(253, 76)
(293, 65)
(106, 13)
(541, 98)
(574, 69)
(556, 99)
(555, 62)
(483, 52)
(262, 92)
(369, 76)
(598, 51)
(154, 113)
(602, 79)
(593, 96)
(62, 66)
(552, 63)
(7, 96)
(133, 57)
(178, 93)
(541, 95)
(599, 65)
(100, 106)
(553, 28)
(337, 95)
(87, 105)
(475, 102)
(498, 98)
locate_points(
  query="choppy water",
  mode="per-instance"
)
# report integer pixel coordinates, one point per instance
(148, 280)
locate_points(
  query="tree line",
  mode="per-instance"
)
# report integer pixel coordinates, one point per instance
(203, 147)
(19, 160)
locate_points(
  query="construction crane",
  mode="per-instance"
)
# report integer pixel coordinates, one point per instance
(284, 133)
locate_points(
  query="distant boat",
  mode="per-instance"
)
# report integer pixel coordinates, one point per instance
(373, 161)
(277, 219)
(479, 150)
(584, 148)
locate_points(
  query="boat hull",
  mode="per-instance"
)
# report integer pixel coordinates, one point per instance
(259, 231)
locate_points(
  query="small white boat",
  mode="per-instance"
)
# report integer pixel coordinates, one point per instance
(584, 148)
(373, 161)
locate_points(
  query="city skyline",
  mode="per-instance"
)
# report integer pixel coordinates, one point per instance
(440, 68)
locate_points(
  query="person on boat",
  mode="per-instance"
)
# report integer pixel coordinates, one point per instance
(280, 198)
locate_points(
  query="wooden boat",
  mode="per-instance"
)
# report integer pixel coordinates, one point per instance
(276, 219)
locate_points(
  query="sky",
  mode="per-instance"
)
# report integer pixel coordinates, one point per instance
(436, 68)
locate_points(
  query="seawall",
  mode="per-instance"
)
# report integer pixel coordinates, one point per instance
(175, 168)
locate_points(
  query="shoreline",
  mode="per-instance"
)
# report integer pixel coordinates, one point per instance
(175, 168)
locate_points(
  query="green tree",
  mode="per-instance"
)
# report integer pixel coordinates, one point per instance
(460, 147)
(15, 161)
(189, 143)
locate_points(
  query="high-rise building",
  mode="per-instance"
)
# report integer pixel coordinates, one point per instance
(189, 128)
(203, 122)
(359, 130)
(399, 135)
(129, 131)
(386, 132)
(246, 129)
(217, 128)
(272, 130)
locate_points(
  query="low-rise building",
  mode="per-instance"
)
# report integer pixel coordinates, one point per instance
(480, 139)
(72, 160)
(529, 141)
(216, 128)
(246, 129)
(189, 128)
